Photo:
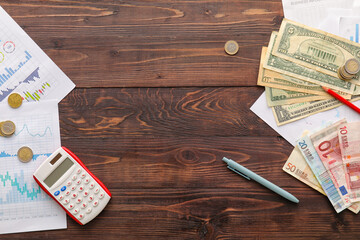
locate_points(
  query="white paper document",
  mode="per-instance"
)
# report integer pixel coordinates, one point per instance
(349, 28)
(25, 68)
(313, 12)
(24, 206)
(292, 131)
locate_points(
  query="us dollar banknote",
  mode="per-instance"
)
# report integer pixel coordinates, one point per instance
(269, 78)
(297, 167)
(296, 70)
(288, 113)
(276, 97)
(313, 160)
(313, 48)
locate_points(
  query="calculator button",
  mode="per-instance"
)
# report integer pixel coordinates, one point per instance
(101, 195)
(90, 198)
(79, 200)
(74, 195)
(71, 206)
(81, 188)
(66, 201)
(68, 192)
(92, 185)
(74, 177)
(63, 188)
(79, 171)
(76, 211)
(69, 183)
(78, 181)
(97, 190)
(81, 216)
(88, 210)
(83, 175)
(87, 180)
(61, 197)
(84, 205)
(95, 203)
(73, 188)
(86, 193)
(57, 193)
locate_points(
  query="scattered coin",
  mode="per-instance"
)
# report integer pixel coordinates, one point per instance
(352, 66)
(231, 47)
(342, 74)
(25, 154)
(7, 128)
(1, 133)
(15, 100)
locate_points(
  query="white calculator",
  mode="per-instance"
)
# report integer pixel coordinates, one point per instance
(66, 179)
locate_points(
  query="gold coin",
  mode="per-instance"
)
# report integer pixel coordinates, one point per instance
(352, 66)
(25, 154)
(342, 74)
(7, 128)
(1, 133)
(231, 47)
(15, 100)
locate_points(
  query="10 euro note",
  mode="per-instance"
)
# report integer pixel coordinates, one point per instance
(349, 138)
(297, 167)
(326, 144)
(313, 160)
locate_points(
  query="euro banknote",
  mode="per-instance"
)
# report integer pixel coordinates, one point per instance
(313, 160)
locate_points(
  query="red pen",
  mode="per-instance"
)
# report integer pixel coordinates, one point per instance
(341, 99)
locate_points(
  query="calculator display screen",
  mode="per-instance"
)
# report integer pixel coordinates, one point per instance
(58, 172)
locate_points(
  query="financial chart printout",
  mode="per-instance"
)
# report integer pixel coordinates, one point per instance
(24, 206)
(25, 68)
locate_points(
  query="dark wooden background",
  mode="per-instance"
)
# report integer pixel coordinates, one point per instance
(157, 105)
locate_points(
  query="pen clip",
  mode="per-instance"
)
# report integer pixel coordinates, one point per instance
(241, 174)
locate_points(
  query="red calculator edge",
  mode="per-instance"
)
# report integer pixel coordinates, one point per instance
(87, 170)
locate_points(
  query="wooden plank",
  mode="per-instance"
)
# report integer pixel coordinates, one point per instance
(135, 112)
(151, 44)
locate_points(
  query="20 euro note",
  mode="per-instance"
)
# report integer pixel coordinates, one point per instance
(349, 138)
(326, 144)
(313, 160)
(297, 167)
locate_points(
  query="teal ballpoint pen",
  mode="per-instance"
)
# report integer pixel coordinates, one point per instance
(246, 173)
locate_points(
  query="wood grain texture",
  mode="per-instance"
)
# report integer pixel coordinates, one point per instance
(158, 104)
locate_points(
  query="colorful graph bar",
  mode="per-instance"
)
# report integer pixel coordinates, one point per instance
(19, 189)
(36, 95)
(356, 34)
(10, 71)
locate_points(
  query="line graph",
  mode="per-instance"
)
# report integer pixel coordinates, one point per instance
(26, 129)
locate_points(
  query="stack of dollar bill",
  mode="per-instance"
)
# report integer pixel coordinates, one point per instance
(297, 62)
(328, 160)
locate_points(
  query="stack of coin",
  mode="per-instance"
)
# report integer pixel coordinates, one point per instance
(349, 70)
(7, 128)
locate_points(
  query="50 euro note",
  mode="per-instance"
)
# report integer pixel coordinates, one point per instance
(297, 167)
(313, 160)
(292, 69)
(315, 49)
(326, 144)
(349, 138)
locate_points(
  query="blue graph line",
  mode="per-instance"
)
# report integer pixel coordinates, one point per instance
(30, 78)
(10, 71)
(35, 156)
(25, 127)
